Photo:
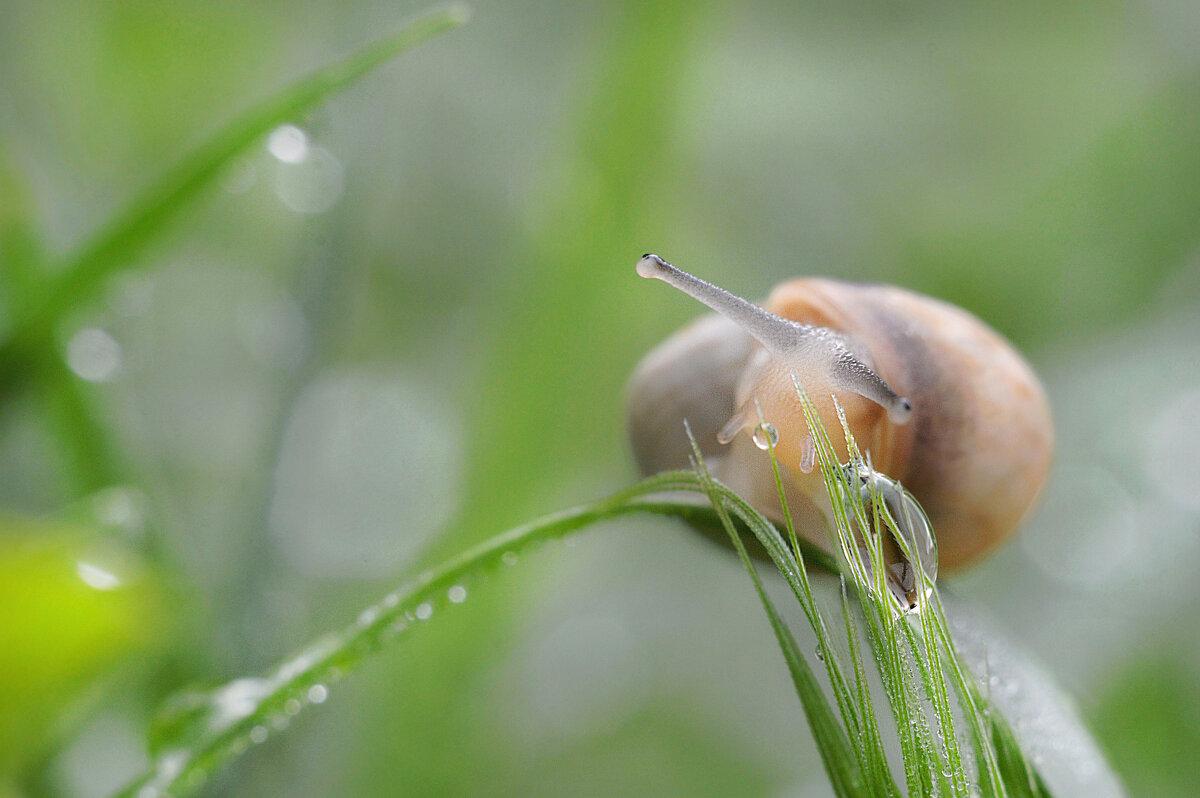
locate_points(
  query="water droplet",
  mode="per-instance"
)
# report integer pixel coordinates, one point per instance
(808, 454)
(457, 594)
(258, 734)
(288, 143)
(368, 616)
(94, 355)
(424, 611)
(238, 699)
(318, 693)
(97, 577)
(765, 436)
(280, 722)
(391, 600)
(509, 558)
(910, 548)
(292, 706)
(820, 654)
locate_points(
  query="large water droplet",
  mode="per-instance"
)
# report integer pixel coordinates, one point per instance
(457, 594)
(317, 693)
(765, 436)
(424, 611)
(911, 549)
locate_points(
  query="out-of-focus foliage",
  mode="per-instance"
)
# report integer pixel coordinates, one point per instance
(404, 321)
(75, 603)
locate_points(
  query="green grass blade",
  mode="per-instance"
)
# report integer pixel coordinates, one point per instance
(113, 246)
(209, 730)
(832, 742)
(877, 758)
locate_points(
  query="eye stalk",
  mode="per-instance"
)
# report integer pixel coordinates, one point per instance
(803, 349)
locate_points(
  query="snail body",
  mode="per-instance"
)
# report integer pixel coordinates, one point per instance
(940, 402)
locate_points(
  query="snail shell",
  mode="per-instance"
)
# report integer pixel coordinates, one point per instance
(939, 400)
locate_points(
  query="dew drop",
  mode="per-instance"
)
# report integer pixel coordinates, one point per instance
(391, 600)
(509, 558)
(96, 577)
(292, 706)
(820, 654)
(318, 693)
(280, 722)
(368, 616)
(424, 611)
(94, 355)
(258, 734)
(911, 548)
(288, 143)
(457, 594)
(765, 436)
(808, 454)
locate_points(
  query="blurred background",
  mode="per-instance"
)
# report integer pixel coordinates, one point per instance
(402, 323)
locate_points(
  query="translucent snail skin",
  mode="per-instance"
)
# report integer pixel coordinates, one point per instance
(940, 401)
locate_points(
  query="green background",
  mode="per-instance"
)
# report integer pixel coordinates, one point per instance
(329, 373)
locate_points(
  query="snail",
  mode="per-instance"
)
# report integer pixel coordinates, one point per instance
(940, 402)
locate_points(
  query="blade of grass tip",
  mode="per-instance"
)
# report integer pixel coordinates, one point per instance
(247, 710)
(110, 249)
(832, 743)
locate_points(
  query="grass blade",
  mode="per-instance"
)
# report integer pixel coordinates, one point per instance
(832, 742)
(113, 246)
(209, 730)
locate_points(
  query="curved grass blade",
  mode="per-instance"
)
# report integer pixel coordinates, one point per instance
(111, 248)
(208, 730)
(841, 763)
